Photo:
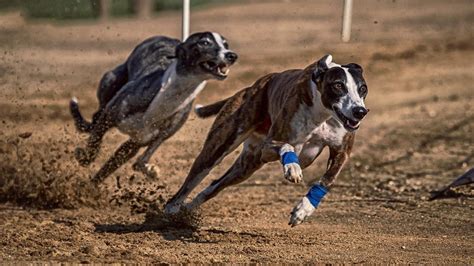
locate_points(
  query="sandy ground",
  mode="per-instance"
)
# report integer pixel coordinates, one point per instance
(418, 59)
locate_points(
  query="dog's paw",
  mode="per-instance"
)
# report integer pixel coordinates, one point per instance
(183, 218)
(82, 157)
(293, 172)
(171, 209)
(303, 210)
(148, 169)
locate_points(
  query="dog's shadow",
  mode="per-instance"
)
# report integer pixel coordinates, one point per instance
(185, 226)
(182, 226)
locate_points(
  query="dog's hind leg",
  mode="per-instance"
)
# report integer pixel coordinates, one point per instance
(124, 153)
(232, 126)
(214, 150)
(248, 162)
(82, 125)
(87, 156)
(109, 85)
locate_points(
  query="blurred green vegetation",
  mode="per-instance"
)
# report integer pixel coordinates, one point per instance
(84, 9)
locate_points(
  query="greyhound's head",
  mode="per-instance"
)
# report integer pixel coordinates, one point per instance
(206, 53)
(343, 91)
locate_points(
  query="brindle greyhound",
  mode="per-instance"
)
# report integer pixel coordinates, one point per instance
(289, 116)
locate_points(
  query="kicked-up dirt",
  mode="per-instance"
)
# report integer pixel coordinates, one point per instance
(418, 62)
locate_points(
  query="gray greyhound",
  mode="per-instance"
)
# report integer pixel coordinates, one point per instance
(150, 96)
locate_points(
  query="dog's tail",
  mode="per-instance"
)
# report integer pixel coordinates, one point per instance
(209, 110)
(82, 125)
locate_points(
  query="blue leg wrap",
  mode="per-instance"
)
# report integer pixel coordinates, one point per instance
(316, 194)
(289, 157)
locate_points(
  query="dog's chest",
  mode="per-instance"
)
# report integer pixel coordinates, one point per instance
(328, 133)
(305, 120)
(176, 93)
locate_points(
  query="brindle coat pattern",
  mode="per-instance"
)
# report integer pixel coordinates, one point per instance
(278, 109)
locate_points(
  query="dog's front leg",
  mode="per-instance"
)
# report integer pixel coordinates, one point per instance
(142, 164)
(274, 150)
(291, 164)
(337, 158)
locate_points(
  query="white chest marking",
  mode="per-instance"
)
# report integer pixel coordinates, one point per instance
(329, 133)
(176, 92)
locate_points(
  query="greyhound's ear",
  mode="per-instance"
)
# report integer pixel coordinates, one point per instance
(354, 66)
(181, 52)
(321, 67)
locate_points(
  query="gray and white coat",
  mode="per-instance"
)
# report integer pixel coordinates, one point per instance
(150, 96)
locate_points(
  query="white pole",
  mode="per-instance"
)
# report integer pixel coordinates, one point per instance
(185, 31)
(346, 21)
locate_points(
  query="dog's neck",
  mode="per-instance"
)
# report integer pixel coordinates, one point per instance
(186, 70)
(177, 91)
(320, 114)
(180, 76)
(180, 88)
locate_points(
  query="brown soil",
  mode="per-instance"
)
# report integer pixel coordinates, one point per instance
(418, 61)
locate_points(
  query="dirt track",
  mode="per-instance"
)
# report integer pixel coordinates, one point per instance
(418, 60)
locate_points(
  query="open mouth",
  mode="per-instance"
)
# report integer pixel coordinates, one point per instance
(220, 70)
(348, 123)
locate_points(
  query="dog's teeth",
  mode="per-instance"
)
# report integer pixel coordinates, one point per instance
(223, 70)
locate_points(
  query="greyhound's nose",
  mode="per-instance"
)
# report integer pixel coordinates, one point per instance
(359, 112)
(231, 57)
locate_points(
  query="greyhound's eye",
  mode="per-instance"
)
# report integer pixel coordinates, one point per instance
(204, 43)
(338, 88)
(226, 45)
(363, 91)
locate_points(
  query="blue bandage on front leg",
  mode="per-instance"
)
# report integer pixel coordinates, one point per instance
(289, 157)
(316, 194)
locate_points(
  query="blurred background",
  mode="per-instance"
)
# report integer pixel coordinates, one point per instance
(418, 60)
(102, 9)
